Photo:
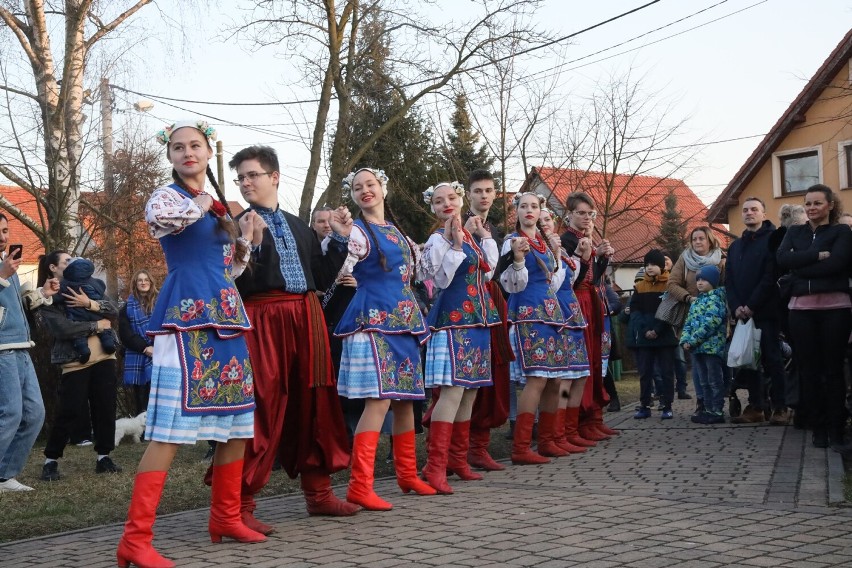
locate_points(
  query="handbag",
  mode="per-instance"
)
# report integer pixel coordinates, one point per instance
(672, 311)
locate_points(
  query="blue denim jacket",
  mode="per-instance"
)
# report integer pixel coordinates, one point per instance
(14, 329)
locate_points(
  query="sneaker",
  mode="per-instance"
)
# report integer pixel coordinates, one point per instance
(698, 418)
(106, 465)
(642, 412)
(714, 418)
(13, 485)
(84, 443)
(684, 396)
(667, 414)
(50, 471)
(699, 407)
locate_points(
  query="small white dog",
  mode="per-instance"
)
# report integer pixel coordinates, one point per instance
(134, 427)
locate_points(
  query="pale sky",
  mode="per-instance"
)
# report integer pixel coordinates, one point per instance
(732, 78)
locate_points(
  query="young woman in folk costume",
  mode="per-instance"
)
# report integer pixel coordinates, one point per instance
(541, 349)
(592, 298)
(458, 358)
(567, 414)
(202, 385)
(382, 330)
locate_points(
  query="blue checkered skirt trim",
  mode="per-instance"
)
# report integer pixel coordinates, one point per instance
(166, 422)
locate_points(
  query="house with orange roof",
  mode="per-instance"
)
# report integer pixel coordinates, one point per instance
(630, 209)
(20, 233)
(810, 143)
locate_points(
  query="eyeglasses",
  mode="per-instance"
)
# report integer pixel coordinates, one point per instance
(251, 176)
(591, 214)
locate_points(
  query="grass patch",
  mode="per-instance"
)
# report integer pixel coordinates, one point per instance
(83, 498)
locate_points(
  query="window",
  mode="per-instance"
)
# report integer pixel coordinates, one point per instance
(844, 159)
(794, 171)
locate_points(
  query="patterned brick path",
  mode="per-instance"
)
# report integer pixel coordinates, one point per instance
(661, 494)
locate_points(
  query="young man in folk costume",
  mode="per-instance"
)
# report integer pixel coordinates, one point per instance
(298, 416)
(591, 295)
(491, 407)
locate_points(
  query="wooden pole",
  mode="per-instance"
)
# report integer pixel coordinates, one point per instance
(220, 165)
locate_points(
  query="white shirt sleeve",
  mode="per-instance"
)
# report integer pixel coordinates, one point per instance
(492, 257)
(515, 278)
(168, 212)
(558, 277)
(358, 247)
(439, 261)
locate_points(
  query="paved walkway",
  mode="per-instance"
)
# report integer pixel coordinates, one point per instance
(661, 494)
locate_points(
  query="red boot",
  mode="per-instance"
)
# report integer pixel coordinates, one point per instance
(572, 419)
(459, 445)
(547, 445)
(478, 455)
(600, 425)
(225, 517)
(521, 453)
(247, 507)
(361, 480)
(405, 463)
(135, 544)
(320, 500)
(559, 435)
(588, 431)
(435, 470)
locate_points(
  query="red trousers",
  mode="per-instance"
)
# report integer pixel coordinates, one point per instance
(300, 424)
(594, 393)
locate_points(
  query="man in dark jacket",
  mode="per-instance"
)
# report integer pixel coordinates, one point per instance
(753, 294)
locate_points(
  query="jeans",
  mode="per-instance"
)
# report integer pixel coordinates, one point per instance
(773, 367)
(680, 370)
(819, 345)
(21, 410)
(98, 384)
(646, 359)
(707, 370)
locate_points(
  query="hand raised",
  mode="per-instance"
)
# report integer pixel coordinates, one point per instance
(341, 221)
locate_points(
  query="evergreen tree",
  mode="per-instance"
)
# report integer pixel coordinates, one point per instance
(461, 154)
(672, 237)
(407, 152)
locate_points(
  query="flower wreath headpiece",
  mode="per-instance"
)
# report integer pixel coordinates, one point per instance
(430, 191)
(164, 135)
(380, 175)
(516, 200)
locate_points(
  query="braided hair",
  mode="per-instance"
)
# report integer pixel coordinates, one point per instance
(226, 224)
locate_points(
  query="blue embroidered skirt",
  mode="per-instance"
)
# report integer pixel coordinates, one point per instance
(540, 351)
(578, 356)
(376, 365)
(459, 357)
(167, 423)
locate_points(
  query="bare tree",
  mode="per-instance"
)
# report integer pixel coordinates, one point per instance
(326, 33)
(57, 73)
(622, 136)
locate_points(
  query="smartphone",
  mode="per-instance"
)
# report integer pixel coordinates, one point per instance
(15, 251)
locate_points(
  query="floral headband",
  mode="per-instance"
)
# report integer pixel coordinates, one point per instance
(164, 135)
(380, 175)
(430, 191)
(516, 200)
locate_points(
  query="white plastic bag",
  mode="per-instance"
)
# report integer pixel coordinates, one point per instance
(744, 352)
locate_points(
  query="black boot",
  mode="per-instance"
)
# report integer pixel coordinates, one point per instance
(511, 433)
(614, 405)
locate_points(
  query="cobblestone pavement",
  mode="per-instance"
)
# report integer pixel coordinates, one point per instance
(661, 494)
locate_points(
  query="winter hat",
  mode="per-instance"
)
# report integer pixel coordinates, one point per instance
(709, 274)
(655, 257)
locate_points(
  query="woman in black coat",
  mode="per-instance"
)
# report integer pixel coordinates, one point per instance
(818, 255)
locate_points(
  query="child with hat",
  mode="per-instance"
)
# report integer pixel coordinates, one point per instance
(704, 336)
(653, 341)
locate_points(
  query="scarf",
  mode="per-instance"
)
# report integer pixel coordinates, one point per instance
(695, 262)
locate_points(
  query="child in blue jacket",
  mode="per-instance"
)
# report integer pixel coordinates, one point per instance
(704, 336)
